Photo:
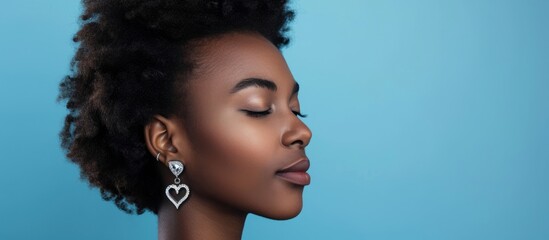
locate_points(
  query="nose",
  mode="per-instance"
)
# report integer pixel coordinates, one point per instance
(296, 134)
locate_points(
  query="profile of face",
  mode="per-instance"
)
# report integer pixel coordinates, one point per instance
(241, 128)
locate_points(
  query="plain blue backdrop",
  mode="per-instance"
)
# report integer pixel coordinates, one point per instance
(429, 119)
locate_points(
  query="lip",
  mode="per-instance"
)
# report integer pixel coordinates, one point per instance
(296, 172)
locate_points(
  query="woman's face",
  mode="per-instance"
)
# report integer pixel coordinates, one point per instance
(242, 127)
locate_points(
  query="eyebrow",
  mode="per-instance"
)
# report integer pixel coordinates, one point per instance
(262, 83)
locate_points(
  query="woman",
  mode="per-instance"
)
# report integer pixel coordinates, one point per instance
(187, 109)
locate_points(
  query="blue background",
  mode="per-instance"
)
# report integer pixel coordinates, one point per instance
(429, 119)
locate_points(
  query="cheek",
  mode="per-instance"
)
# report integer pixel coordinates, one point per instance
(235, 158)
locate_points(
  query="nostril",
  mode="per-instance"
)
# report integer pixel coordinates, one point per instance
(300, 142)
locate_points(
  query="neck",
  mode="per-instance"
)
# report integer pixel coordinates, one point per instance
(199, 218)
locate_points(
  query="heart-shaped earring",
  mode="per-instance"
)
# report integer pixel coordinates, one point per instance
(176, 167)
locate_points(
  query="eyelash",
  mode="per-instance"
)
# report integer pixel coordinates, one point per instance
(267, 112)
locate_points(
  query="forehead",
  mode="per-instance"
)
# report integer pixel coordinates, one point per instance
(225, 60)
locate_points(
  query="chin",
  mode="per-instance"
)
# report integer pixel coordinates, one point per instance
(285, 210)
(286, 215)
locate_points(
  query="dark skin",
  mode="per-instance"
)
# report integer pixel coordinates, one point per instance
(232, 141)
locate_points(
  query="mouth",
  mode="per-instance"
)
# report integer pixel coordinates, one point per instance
(296, 172)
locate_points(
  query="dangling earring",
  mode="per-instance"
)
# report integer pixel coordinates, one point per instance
(176, 167)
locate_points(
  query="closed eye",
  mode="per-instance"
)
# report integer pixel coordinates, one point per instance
(257, 114)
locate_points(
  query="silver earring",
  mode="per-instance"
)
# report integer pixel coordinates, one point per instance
(176, 167)
(157, 155)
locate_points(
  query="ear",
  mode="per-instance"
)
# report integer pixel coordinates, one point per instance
(166, 137)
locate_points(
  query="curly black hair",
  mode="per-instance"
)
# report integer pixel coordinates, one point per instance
(130, 55)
